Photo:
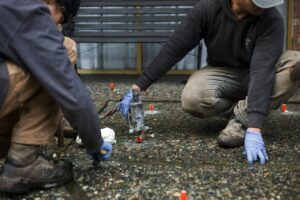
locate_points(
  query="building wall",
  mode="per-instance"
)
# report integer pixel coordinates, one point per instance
(296, 26)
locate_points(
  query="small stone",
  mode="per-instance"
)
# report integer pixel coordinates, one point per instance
(177, 194)
(85, 187)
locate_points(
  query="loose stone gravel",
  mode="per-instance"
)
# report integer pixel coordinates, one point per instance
(180, 153)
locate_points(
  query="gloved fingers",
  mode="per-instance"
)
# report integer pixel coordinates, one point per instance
(265, 154)
(125, 115)
(108, 148)
(106, 156)
(254, 155)
(249, 157)
(125, 112)
(261, 157)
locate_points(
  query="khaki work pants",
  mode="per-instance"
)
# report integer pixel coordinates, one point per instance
(29, 115)
(218, 91)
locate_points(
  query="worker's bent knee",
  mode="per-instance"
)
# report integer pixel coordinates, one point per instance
(199, 106)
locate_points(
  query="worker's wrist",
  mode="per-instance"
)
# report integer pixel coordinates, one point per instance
(255, 130)
(136, 88)
(143, 82)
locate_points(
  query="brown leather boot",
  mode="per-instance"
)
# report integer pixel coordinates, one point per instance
(295, 72)
(21, 174)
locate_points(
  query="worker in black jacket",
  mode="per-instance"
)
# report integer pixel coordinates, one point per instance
(247, 72)
(36, 80)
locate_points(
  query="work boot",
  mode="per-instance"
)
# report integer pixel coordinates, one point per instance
(295, 72)
(233, 134)
(20, 176)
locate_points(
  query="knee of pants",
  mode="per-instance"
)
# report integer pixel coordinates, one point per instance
(284, 87)
(287, 60)
(199, 106)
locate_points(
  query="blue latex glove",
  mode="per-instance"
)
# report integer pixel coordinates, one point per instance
(124, 105)
(255, 147)
(106, 146)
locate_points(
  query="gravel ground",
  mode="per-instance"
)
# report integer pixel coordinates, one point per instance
(180, 153)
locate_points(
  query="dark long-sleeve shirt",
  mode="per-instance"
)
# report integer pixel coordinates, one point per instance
(255, 42)
(29, 37)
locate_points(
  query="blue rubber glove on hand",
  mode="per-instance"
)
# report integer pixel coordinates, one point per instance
(106, 147)
(124, 105)
(97, 157)
(255, 147)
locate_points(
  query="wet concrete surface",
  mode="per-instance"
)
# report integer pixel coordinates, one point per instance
(180, 153)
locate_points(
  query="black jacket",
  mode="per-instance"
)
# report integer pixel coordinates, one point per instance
(30, 38)
(256, 42)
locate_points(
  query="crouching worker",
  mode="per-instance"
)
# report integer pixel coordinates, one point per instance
(36, 81)
(247, 73)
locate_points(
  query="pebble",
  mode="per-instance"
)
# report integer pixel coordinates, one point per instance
(85, 187)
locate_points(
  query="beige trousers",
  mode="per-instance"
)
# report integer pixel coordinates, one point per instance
(29, 115)
(217, 91)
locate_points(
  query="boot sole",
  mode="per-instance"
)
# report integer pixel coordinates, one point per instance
(230, 144)
(22, 188)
